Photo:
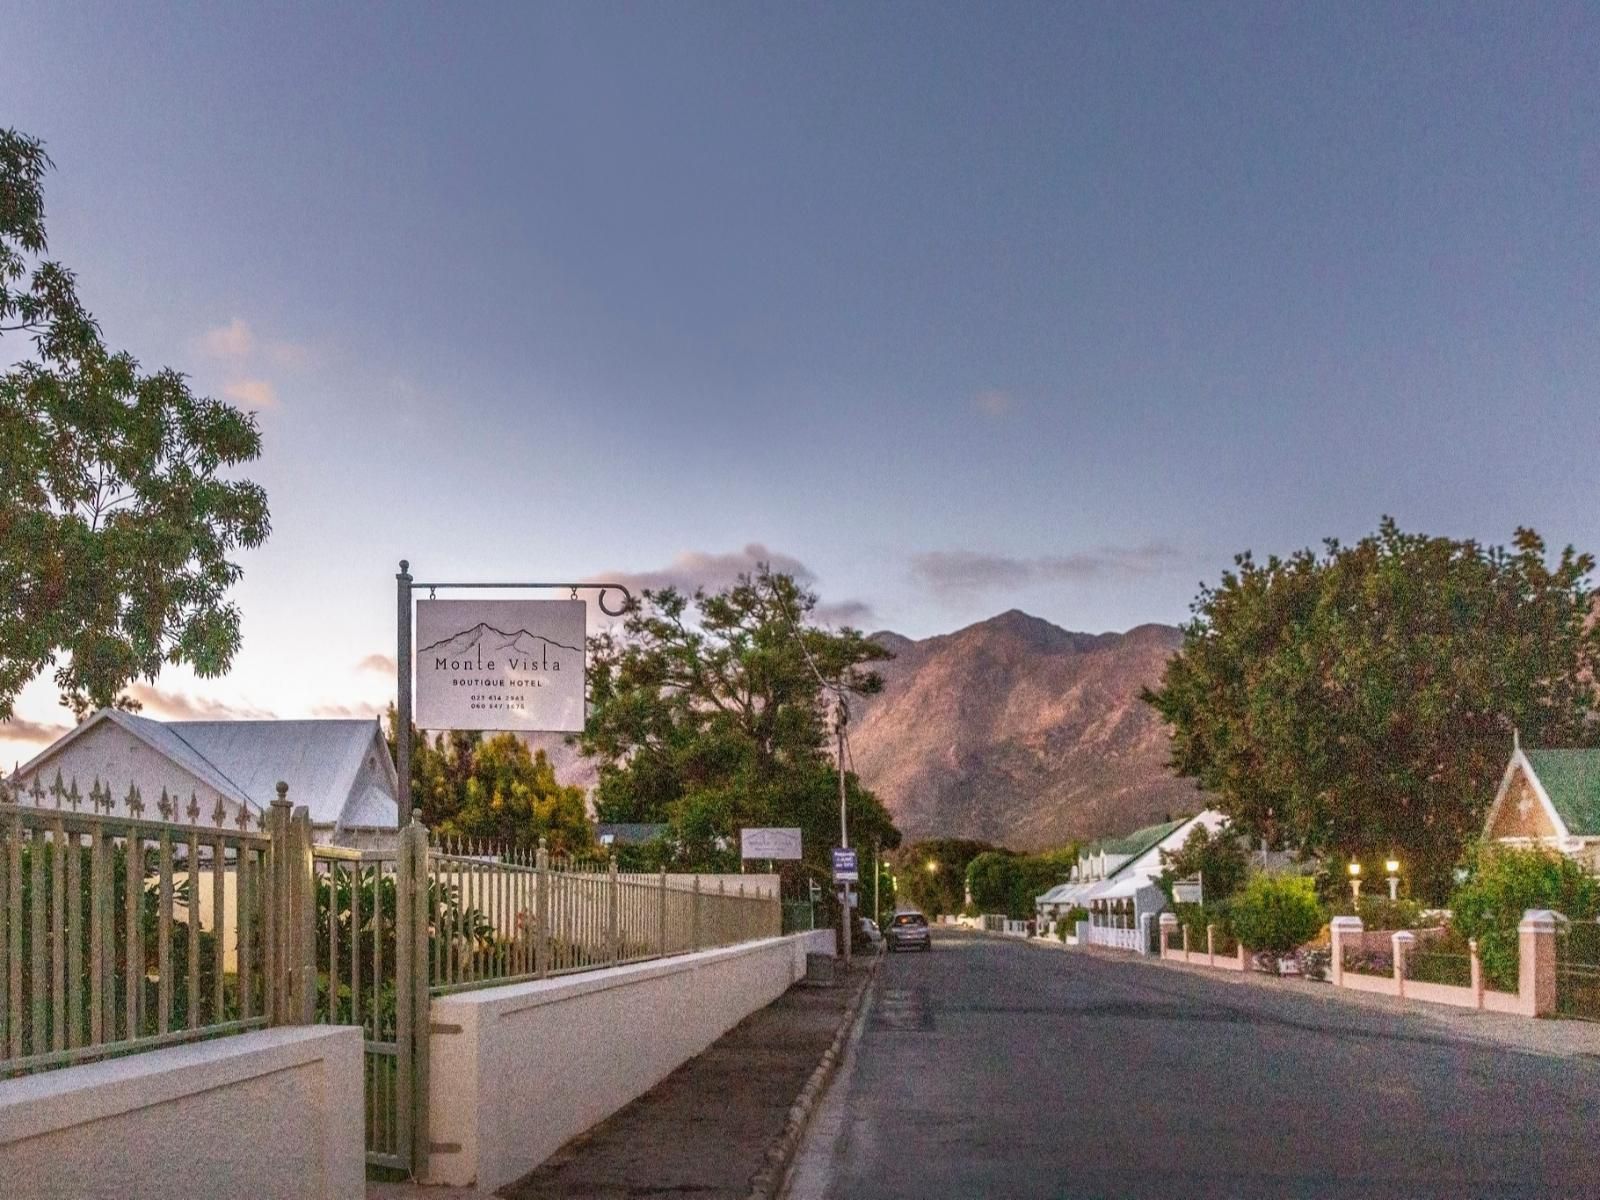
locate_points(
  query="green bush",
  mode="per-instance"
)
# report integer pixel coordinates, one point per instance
(1276, 913)
(1380, 912)
(1503, 884)
(1067, 922)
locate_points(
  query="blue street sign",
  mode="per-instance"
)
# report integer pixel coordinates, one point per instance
(844, 866)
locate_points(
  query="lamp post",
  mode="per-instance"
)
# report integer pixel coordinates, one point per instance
(1393, 867)
(1355, 882)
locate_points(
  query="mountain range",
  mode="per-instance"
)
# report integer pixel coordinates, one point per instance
(1019, 732)
(1013, 730)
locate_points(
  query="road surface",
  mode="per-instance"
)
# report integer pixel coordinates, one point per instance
(992, 1068)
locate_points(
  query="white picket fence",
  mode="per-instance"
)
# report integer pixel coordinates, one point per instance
(1116, 939)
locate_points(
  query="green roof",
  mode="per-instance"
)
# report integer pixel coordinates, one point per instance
(1135, 843)
(1571, 778)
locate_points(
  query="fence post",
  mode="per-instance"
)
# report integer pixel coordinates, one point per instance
(304, 883)
(1168, 922)
(1186, 943)
(1211, 945)
(612, 926)
(1475, 966)
(280, 911)
(414, 851)
(1536, 969)
(1339, 929)
(695, 944)
(661, 914)
(541, 912)
(1400, 942)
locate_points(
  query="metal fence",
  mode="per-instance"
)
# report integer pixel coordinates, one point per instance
(123, 934)
(1578, 971)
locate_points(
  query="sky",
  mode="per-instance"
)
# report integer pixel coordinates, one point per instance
(949, 308)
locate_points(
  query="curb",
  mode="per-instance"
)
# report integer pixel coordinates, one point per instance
(768, 1180)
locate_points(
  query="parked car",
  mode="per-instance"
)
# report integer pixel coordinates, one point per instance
(867, 932)
(908, 930)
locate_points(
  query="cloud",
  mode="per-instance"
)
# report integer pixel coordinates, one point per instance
(28, 738)
(951, 572)
(347, 712)
(382, 664)
(994, 403)
(855, 613)
(699, 569)
(252, 393)
(179, 706)
(234, 340)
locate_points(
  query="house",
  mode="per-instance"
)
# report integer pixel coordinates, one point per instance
(1549, 798)
(1115, 880)
(210, 772)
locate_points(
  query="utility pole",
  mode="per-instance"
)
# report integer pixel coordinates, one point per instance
(844, 834)
(877, 875)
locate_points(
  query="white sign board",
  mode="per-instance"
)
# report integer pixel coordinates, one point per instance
(500, 664)
(769, 843)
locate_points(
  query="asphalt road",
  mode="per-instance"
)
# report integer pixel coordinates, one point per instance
(991, 1068)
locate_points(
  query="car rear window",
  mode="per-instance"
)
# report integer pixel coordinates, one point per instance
(910, 919)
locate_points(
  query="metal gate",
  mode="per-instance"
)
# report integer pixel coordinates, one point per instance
(371, 963)
(1578, 970)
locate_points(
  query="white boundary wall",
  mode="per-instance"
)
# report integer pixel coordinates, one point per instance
(273, 1113)
(516, 1072)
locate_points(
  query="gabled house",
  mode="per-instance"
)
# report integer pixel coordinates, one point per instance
(211, 771)
(1549, 798)
(1115, 879)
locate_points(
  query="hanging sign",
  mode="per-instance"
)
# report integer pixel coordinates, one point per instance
(769, 843)
(844, 866)
(500, 664)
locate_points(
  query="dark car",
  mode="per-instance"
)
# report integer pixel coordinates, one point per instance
(908, 930)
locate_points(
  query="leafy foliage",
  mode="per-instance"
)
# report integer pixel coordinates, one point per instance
(717, 721)
(116, 520)
(1002, 881)
(1360, 702)
(933, 873)
(494, 788)
(1276, 913)
(1504, 883)
(1219, 860)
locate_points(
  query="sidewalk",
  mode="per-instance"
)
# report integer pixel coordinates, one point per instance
(707, 1128)
(1552, 1036)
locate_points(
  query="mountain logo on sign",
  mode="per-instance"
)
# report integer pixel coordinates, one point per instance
(483, 647)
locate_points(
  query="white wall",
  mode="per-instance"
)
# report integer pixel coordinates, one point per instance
(274, 1113)
(521, 1070)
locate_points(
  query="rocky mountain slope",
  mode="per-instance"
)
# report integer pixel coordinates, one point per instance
(1017, 731)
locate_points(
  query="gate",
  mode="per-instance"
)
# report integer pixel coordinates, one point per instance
(1578, 970)
(371, 933)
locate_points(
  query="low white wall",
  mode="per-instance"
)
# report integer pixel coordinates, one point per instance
(516, 1072)
(277, 1112)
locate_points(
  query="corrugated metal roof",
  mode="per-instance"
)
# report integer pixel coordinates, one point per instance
(319, 760)
(1571, 778)
(161, 736)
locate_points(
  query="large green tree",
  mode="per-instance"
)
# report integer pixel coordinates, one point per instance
(932, 874)
(1360, 702)
(494, 789)
(1003, 881)
(117, 519)
(716, 712)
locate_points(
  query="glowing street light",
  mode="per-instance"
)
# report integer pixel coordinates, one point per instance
(933, 867)
(1393, 867)
(1355, 882)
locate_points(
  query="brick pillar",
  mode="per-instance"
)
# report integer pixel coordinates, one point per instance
(1536, 976)
(1401, 943)
(1211, 945)
(1169, 923)
(1340, 928)
(1475, 965)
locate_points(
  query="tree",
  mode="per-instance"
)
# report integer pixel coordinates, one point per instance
(116, 520)
(494, 789)
(722, 719)
(992, 880)
(1218, 860)
(1360, 703)
(1504, 883)
(1276, 913)
(932, 874)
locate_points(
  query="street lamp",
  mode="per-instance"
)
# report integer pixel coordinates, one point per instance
(1355, 882)
(933, 867)
(1393, 867)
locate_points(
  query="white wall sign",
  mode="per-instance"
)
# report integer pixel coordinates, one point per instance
(769, 843)
(500, 664)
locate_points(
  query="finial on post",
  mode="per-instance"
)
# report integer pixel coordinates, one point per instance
(1516, 740)
(283, 793)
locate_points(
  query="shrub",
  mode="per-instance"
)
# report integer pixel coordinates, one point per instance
(1067, 922)
(1276, 913)
(1503, 884)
